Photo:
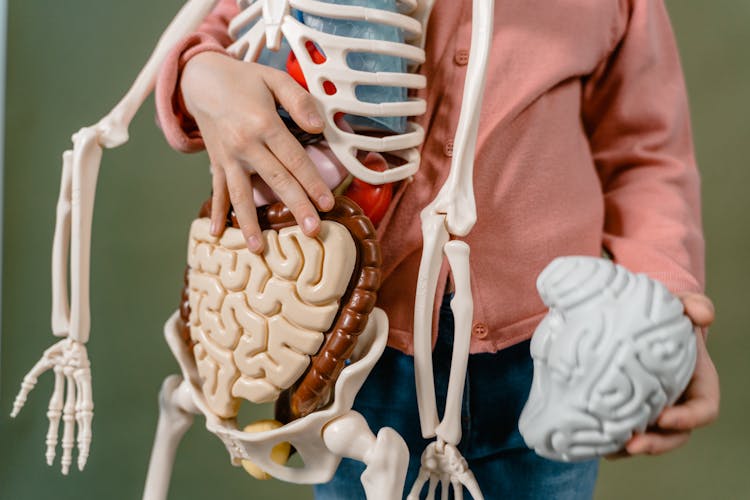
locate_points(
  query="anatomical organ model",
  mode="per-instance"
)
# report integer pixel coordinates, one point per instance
(297, 325)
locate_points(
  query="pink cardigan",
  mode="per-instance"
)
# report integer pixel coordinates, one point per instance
(584, 143)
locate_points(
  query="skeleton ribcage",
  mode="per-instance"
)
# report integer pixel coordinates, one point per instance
(250, 32)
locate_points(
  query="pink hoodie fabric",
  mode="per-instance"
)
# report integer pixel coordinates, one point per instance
(584, 145)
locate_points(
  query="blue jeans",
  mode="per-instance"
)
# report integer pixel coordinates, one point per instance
(497, 386)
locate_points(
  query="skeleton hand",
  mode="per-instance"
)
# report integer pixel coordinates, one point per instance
(443, 462)
(69, 361)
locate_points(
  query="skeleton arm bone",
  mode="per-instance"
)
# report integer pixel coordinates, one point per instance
(452, 212)
(73, 232)
(462, 306)
(455, 207)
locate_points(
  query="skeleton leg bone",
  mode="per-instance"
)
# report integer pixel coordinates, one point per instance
(176, 414)
(386, 455)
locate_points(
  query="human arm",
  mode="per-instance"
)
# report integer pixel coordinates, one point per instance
(636, 116)
(206, 98)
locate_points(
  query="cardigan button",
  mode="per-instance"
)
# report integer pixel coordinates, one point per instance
(480, 330)
(448, 149)
(461, 57)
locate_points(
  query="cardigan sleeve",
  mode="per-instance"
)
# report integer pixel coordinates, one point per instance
(635, 112)
(178, 125)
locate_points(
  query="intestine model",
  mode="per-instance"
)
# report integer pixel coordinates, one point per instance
(296, 325)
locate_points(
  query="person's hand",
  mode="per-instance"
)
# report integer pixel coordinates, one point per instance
(234, 105)
(699, 404)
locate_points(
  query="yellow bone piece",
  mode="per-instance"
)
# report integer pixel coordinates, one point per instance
(279, 453)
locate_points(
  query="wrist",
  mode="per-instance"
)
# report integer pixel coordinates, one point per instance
(195, 75)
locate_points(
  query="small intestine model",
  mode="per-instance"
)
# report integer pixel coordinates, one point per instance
(298, 325)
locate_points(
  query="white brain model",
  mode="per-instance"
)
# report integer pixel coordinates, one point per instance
(256, 319)
(613, 351)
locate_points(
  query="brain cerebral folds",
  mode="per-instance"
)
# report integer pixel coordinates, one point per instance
(614, 349)
(255, 320)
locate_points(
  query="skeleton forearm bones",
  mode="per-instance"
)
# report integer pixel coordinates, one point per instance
(451, 213)
(71, 319)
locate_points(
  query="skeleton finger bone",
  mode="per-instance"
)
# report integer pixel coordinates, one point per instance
(29, 382)
(458, 489)
(54, 413)
(84, 413)
(68, 421)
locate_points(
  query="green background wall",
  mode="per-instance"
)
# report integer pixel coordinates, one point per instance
(69, 62)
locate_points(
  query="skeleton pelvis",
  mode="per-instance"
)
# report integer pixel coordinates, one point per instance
(283, 322)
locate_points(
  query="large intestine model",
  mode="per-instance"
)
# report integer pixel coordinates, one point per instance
(297, 325)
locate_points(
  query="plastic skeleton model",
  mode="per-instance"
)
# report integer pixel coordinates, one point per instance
(613, 351)
(284, 326)
(220, 345)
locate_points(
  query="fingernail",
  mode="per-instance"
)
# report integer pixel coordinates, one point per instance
(253, 243)
(315, 120)
(325, 202)
(309, 224)
(214, 228)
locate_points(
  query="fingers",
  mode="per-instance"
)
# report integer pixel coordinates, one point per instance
(295, 99)
(698, 308)
(54, 412)
(219, 201)
(291, 154)
(288, 189)
(241, 195)
(700, 402)
(68, 424)
(28, 383)
(656, 443)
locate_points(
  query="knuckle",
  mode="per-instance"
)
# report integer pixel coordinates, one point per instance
(237, 139)
(301, 208)
(238, 195)
(299, 162)
(279, 180)
(299, 98)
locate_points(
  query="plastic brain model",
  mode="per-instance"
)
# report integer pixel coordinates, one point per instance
(613, 351)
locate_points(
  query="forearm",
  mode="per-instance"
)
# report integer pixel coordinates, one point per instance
(636, 115)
